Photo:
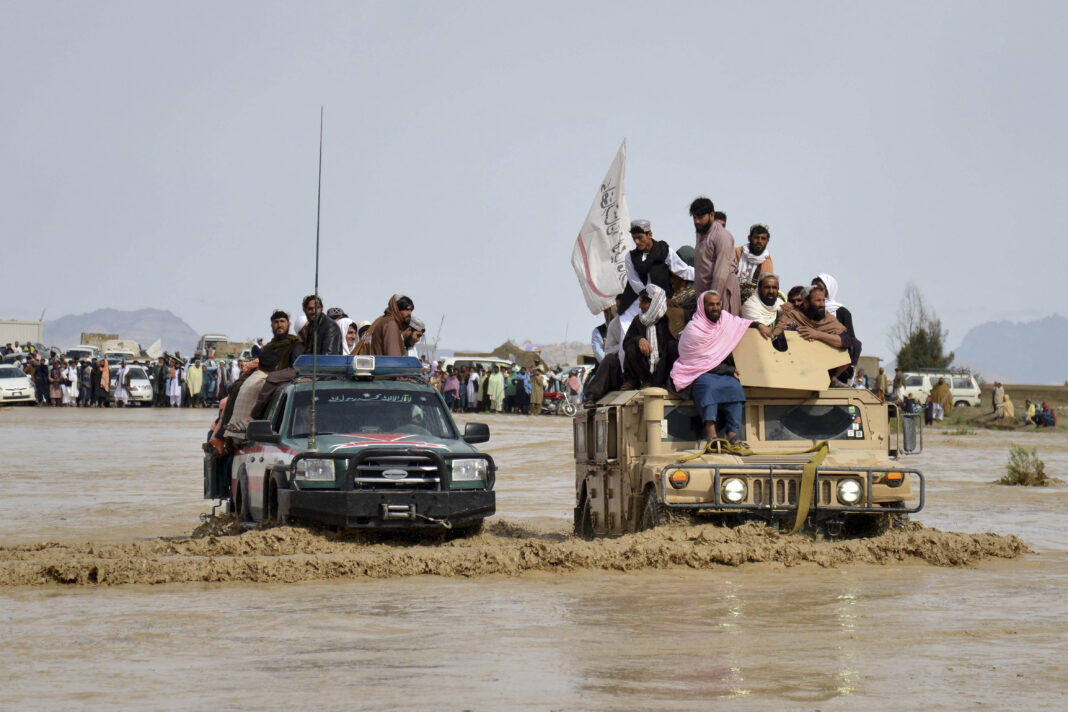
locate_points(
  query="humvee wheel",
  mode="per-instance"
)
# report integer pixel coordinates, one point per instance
(654, 513)
(876, 524)
(584, 523)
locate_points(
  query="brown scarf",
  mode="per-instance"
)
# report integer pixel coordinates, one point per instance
(796, 317)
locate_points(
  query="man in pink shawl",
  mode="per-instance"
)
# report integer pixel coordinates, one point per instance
(714, 261)
(706, 366)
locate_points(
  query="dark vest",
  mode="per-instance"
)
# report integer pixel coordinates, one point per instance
(654, 269)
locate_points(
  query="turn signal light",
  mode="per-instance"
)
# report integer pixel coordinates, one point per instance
(679, 479)
(894, 479)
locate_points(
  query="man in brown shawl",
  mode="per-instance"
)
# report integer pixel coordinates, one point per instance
(813, 323)
(942, 398)
(715, 266)
(288, 346)
(384, 338)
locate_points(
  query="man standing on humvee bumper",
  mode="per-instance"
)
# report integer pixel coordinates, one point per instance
(705, 365)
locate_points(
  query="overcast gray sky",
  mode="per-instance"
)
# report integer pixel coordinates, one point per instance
(164, 154)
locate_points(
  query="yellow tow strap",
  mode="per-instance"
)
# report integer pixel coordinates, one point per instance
(719, 446)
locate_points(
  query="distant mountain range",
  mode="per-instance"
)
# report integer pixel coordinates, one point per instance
(1034, 352)
(143, 326)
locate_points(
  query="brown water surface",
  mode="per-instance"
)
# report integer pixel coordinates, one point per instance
(522, 617)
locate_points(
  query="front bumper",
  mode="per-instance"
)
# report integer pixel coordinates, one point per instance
(370, 509)
(773, 490)
(359, 505)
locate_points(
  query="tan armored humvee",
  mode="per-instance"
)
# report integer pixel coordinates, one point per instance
(637, 462)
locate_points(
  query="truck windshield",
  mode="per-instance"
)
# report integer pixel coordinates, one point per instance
(370, 410)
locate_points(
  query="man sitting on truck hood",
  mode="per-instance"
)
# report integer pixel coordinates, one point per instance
(706, 365)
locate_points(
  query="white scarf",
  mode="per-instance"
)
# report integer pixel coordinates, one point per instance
(755, 309)
(749, 264)
(657, 309)
(343, 325)
(832, 293)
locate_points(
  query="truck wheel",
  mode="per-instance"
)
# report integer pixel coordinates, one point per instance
(271, 510)
(244, 501)
(466, 530)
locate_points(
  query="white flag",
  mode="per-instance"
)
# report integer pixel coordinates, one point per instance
(600, 253)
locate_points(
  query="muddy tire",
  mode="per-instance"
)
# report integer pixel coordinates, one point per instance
(869, 525)
(653, 513)
(466, 530)
(584, 521)
(270, 509)
(243, 500)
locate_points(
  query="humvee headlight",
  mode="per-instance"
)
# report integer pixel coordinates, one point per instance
(734, 490)
(315, 470)
(469, 470)
(848, 491)
(679, 479)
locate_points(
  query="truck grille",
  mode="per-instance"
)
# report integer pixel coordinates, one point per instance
(397, 472)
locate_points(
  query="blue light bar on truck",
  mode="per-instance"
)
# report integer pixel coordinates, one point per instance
(359, 365)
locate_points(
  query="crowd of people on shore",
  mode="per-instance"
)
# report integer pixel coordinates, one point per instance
(499, 389)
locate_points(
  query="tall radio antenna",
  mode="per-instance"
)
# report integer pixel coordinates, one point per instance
(316, 305)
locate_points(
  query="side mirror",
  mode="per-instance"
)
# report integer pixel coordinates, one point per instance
(260, 431)
(475, 433)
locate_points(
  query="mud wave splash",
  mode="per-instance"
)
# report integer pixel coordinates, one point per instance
(221, 551)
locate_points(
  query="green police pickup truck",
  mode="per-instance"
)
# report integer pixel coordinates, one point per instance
(385, 453)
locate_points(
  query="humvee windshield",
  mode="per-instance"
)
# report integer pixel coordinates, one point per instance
(812, 422)
(371, 411)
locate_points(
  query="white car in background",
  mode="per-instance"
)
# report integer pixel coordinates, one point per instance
(963, 388)
(140, 386)
(16, 386)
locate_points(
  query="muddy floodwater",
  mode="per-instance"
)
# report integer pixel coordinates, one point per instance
(108, 602)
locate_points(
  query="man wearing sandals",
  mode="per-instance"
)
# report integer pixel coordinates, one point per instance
(706, 366)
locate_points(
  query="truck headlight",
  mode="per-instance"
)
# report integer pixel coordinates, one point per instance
(848, 491)
(734, 490)
(469, 470)
(315, 470)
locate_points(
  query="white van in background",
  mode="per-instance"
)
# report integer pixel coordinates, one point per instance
(963, 388)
